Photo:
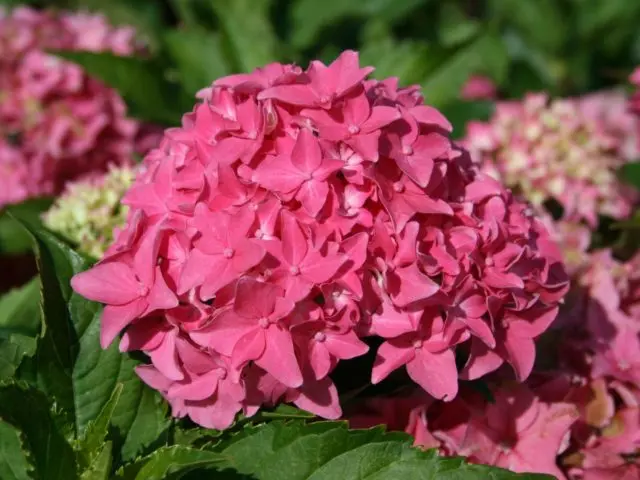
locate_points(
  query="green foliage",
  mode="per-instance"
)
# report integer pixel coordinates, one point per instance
(13, 238)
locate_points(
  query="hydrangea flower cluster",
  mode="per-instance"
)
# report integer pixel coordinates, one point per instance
(567, 150)
(578, 419)
(57, 123)
(90, 209)
(296, 213)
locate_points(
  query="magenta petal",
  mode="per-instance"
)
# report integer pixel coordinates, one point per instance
(279, 358)
(319, 359)
(218, 279)
(199, 388)
(294, 243)
(248, 254)
(435, 372)
(481, 361)
(306, 155)
(278, 174)
(248, 348)
(366, 144)
(520, 352)
(346, 346)
(391, 322)
(388, 359)
(496, 279)
(430, 116)
(380, 116)
(160, 297)
(254, 299)
(533, 322)
(293, 94)
(320, 398)
(152, 377)
(417, 168)
(480, 329)
(165, 357)
(116, 317)
(196, 269)
(414, 286)
(113, 283)
(319, 269)
(218, 414)
(224, 332)
(313, 195)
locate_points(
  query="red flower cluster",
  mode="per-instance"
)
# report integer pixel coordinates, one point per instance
(296, 213)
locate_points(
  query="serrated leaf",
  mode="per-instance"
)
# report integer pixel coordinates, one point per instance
(309, 17)
(14, 454)
(198, 56)
(248, 30)
(71, 365)
(486, 54)
(142, 83)
(166, 461)
(29, 410)
(328, 450)
(100, 467)
(93, 441)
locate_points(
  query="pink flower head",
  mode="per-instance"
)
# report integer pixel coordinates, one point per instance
(567, 150)
(479, 87)
(296, 213)
(61, 123)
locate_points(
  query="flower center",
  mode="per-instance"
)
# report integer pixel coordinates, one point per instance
(398, 187)
(324, 99)
(417, 343)
(263, 322)
(489, 261)
(320, 337)
(143, 290)
(407, 150)
(294, 270)
(354, 129)
(228, 252)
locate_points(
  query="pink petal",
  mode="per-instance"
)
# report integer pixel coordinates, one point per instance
(116, 317)
(294, 243)
(380, 117)
(313, 195)
(533, 322)
(279, 359)
(414, 285)
(430, 116)
(160, 297)
(165, 357)
(278, 174)
(293, 94)
(346, 346)
(196, 269)
(435, 372)
(480, 329)
(199, 388)
(219, 279)
(306, 155)
(254, 299)
(320, 398)
(152, 377)
(224, 332)
(248, 348)
(388, 359)
(391, 322)
(319, 359)
(248, 253)
(481, 361)
(520, 352)
(320, 269)
(366, 144)
(112, 283)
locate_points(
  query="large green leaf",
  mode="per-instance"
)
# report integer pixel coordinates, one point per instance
(328, 450)
(15, 461)
(461, 112)
(142, 83)
(20, 326)
(630, 173)
(486, 54)
(28, 410)
(13, 238)
(71, 366)
(248, 30)
(198, 56)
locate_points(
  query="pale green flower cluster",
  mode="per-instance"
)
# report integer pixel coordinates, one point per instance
(88, 211)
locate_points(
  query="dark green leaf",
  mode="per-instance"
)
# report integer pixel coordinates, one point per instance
(461, 112)
(166, 461)
(328, 450)
(30, 411)
(15, 461)
(13, 238)
(630, 173)
(71, 366)
(198, 56)
(100, 468)
(142, 83)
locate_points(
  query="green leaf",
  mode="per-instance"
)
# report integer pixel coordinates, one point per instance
(71, 365)
(630, 173)
(486, 54)
(93, 441)
(29, 410)
(20, 325)
(309, 17)
(540, 22)
(15, 462)
(166, 461)
(328, 450)
(13, 239)
(248, 31)
(461, 112)
(142, 83)
(454, 26)
(198, 56)
(100, 468)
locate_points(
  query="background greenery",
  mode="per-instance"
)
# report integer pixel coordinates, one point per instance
(566, 47)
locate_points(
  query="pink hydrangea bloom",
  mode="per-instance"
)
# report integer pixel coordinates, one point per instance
(566, 149)
(56, 122)
(295, 213)
(479, 87)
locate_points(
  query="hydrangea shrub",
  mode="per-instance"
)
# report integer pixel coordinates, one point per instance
(296, 213)
(56, 122)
